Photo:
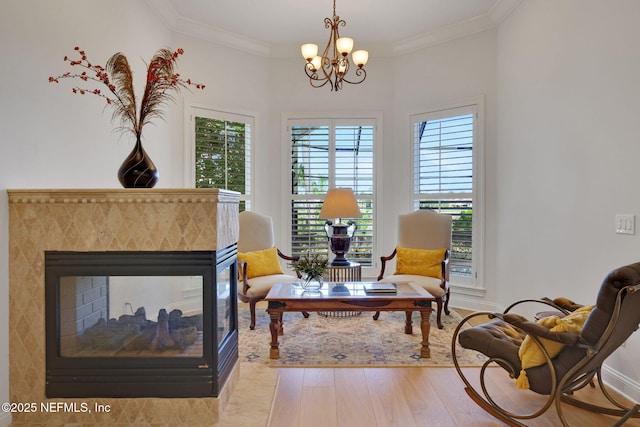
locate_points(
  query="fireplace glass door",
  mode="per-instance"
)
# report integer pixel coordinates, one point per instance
(131, 316)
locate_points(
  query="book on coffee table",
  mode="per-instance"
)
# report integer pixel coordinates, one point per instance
(375, 288)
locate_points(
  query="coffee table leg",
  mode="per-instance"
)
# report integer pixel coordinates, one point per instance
(274, 326)
(425, 325)
(408, 324)
(280, 325)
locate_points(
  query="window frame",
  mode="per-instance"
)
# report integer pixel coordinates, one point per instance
(334, 119)
(249, 118)
(476, 106)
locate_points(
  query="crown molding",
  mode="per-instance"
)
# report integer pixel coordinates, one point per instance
(451, 32)
(174, 22)
(498, 13)
(502, 9)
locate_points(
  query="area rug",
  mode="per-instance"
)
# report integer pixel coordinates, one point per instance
(321, 341)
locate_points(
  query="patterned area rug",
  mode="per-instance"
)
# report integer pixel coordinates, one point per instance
(321, 341)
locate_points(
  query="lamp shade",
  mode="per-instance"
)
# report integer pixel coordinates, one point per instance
(344, 45)
(360, 57)
(309, 50)
(340, 203)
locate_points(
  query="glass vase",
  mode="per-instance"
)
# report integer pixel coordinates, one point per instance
(312, 283)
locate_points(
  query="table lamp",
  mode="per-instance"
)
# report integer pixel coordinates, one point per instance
(340, 203)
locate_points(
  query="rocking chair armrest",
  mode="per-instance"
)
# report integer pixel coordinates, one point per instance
(544, 301)
(538, 330)
(383, 260)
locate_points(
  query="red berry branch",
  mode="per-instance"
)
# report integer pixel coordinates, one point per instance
(161, 84)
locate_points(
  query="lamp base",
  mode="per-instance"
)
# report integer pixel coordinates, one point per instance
(340, 262)
(340, 241)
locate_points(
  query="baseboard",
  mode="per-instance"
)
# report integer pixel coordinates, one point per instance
(470, 303)
(5, 419)
(621, 383)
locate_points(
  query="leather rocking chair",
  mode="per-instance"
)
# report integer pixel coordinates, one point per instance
(557, 355)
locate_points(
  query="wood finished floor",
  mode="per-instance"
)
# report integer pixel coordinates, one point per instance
(405, 397)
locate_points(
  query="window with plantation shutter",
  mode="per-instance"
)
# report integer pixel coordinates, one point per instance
(331, 153)
(445, 143)
(222, 154)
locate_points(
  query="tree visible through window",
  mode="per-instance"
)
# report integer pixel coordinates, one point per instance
(222, 155)
(444, 176)
(331, 154)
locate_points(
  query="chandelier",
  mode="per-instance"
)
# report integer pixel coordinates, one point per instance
(334, 70)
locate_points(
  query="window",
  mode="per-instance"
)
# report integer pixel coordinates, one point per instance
(222, 152)
(331, 153)
(445, 179)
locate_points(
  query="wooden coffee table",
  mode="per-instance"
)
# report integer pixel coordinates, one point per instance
(348, 296)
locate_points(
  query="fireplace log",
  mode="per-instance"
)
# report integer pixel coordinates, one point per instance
(162, 339)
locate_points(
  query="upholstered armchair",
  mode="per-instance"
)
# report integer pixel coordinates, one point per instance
(422, 255)
(259, 260)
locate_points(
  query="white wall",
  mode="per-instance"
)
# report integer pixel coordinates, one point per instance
(567, 154)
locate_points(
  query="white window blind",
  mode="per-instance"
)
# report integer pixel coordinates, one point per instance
(444, 176)
(328, 154)
(223, 153)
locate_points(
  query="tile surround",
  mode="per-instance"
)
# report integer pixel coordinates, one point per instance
(104, 220)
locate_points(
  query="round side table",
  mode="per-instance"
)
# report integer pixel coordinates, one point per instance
(343, 273)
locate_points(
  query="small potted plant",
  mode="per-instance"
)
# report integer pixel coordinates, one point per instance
(311, 267)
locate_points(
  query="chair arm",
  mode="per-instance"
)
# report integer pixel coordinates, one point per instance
(445, 262)
(293, 260)
(384, 260)
(537, 329)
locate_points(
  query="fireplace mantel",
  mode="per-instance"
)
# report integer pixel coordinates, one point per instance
(103, 220)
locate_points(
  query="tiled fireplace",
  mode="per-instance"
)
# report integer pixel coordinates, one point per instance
(113, 225)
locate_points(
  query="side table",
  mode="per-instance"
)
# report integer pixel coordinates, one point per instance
(343, 273)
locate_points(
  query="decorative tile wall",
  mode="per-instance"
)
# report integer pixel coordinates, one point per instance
(103, 220)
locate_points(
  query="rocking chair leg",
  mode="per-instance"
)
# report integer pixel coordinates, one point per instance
(628, 415)
(252, 310)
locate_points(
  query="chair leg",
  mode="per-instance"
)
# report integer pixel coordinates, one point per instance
(376, 315)
(439, 313)
(305, 314)
(446, 303)
(252, 310)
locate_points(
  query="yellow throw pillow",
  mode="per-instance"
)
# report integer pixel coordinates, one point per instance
(421, 262)
(531, 355)
(261, 263)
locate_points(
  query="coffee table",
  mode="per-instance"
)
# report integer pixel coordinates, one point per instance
(409, 297)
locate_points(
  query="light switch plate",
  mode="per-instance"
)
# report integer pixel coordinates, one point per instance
(625, 224)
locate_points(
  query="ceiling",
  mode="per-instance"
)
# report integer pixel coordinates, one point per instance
(272, 27)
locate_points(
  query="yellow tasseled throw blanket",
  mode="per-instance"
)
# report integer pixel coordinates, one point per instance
(531, 355)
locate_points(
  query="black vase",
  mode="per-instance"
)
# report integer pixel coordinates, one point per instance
(137, 170)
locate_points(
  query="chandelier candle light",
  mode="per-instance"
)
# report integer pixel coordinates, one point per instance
(340, 203)
(325, 69)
